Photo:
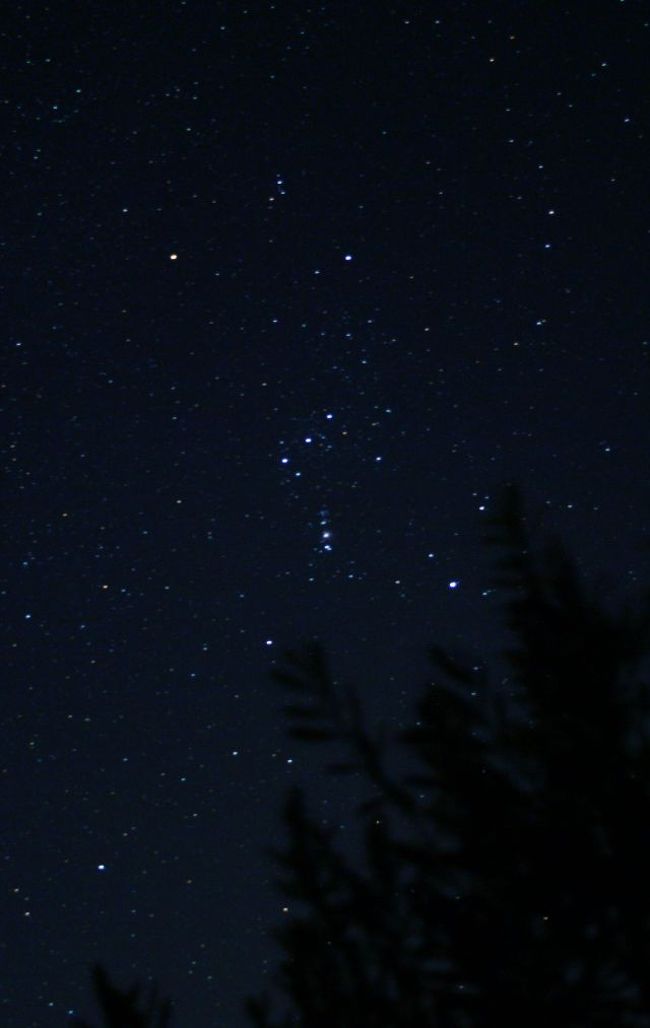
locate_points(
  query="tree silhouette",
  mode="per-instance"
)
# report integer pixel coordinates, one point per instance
(122, 1008)
(506, 881)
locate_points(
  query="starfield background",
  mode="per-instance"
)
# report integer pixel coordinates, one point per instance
(288, 291)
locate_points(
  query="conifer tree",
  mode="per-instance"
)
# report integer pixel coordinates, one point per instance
(518, 892)
(505, 880)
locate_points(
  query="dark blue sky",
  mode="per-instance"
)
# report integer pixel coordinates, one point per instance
(288, 291)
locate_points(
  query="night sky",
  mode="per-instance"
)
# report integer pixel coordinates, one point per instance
(288, 291)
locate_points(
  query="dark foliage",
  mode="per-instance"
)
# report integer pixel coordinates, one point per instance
(502, 883)
(122, 1008)
(518, 894)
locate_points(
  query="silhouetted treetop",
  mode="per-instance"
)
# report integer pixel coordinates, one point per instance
(519, 893)
(503, 876)
(123, 1008)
